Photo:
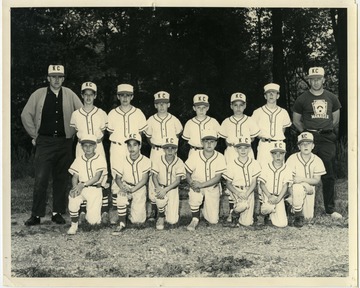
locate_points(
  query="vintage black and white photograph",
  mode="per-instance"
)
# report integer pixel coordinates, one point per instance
(180, 145)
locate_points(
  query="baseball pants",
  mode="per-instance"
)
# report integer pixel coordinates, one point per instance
(171, 206)
(117, 154)
(211, 198)
(137, 205)
(155, 154)
(93, 197)
(300, 199)
(52, 155)
(279, 217)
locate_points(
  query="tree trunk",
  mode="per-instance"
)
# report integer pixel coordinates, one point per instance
(278, 54)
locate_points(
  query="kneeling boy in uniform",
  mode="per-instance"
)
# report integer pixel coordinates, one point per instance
(241, 178)
(204, 169)
(306, 169)
(167, 170)
(131, 175)
(274, 182)
(87, 171)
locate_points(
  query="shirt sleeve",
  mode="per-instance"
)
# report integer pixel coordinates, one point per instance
(155, 167)
(320, 167)
(178, 126)
(336, 103)
(142, 121)
(180, 169)
(102, 165)
(146, 165)
(73, 120)
(186, 133)
(223, 133)
(256, 169)
(229, 173)
(74, 168)
(287, 120)
(149, 130)
(221, 165)
(111, 120)
(298, 105)
(117, 169)
(104, 119)
(28, 116)
(254, 128)
(190, 163)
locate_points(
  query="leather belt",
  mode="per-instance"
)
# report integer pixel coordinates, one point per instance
(268, 140)
(156, 147)
(321, 131)
(118, 143)
(53, 135)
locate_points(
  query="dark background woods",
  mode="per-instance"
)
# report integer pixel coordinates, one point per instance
(185, 51)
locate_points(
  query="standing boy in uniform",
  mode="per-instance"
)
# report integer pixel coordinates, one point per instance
(160, 126)
(201, 122)
(272, 121)
(91, 120)
(234, 127)
(88, 171)
(318, 111)
(274, 181)
(167, 172)
(121, 121)
(306, 169)
(241, 179)
(204, 169)
(131, 176)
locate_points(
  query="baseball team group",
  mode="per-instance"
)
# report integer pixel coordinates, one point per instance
(285, 190)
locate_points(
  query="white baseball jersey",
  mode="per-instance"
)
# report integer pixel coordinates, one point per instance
(158, 129)
(271, 122)
(194, 128)
(309, 169)
(234, 128)
(240, 175)
(275, 178)
(87, 168)
(93, 122)
(167, 174)
(121, 124)
(202, 169)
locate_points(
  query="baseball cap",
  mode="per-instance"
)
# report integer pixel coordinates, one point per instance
(89, 85)
(242, 141)
(125, 88)
(88, 138)
(305, 137)
(209, 135)
(238, 97)
(272, 86)
(56, 70)
(134, 136)
(161, 97)
(316, 72)
(278, 146)
(201, 99)
(170, 142)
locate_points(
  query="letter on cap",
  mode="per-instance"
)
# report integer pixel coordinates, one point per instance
(56, 70)
(89, 85)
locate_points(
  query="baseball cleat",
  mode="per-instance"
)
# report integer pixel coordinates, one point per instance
(192, 226)
(58, 219)
(73, 229)
(229, 218)
(160, 223)
(336, 215)
(105, 218)
(152, 216)
(119, 229)
(114, 217)
(299, 222)
(33, 220)
(82, 217)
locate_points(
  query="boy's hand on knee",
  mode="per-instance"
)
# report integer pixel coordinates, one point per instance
(74, 192)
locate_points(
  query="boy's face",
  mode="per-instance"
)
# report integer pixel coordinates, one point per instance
(170, 151)
(242, 150)
(209, 144)
(306, 147)
(88, 96)
(278, 157)
(271, 96)
(125, 98)
(238, 107)
(200, 110)
(162, 107)
(133, 147)
(88, 148)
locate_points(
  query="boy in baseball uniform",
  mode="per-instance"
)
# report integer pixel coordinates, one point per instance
(272, 121)
(307, 169)
(233, 127)
(167, 172)
(131, 176)
(195, 126)
(160, 126)
(204, 169)
(241, 179)
(274, 181)
(88, 171)
(121, 121)
(91, 120)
